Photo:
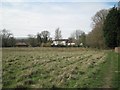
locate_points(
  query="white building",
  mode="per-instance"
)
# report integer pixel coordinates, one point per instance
(63, 42)
(60, 42)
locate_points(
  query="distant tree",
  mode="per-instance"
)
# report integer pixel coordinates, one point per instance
(32, 40)
(58, 34)
(83, 38)
(8, 39)
(112, 28)
(12, 41)
(77, 36)
(0, 39)
(39, 39)
(45, 36)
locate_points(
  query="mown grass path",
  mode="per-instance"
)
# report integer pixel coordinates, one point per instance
(109, 73)
(110, 76)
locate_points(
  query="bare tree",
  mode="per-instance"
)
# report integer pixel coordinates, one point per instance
(7, 38)
(76, 35)
(39, 39)
(45, 35)
(95, 38)
(32, 40)
(58, 34)
(99, 17)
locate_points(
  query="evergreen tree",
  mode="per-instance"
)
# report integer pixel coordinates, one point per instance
(111, 28)
(118, 28)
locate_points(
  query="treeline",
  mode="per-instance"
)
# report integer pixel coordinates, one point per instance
(8, 40)
(106, 29)
(105, 33)
(41, 39)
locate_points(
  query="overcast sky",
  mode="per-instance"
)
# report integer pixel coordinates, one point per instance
(23, 17)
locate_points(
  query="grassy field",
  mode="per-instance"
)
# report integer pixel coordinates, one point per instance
(0, 68)
(59, 67)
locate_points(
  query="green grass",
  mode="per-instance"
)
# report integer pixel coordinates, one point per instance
(118, 77)
(0, 68)
(107, 75)
(115, 59)
(59, 67)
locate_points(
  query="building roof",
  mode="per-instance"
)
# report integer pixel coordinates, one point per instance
(21, 44)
